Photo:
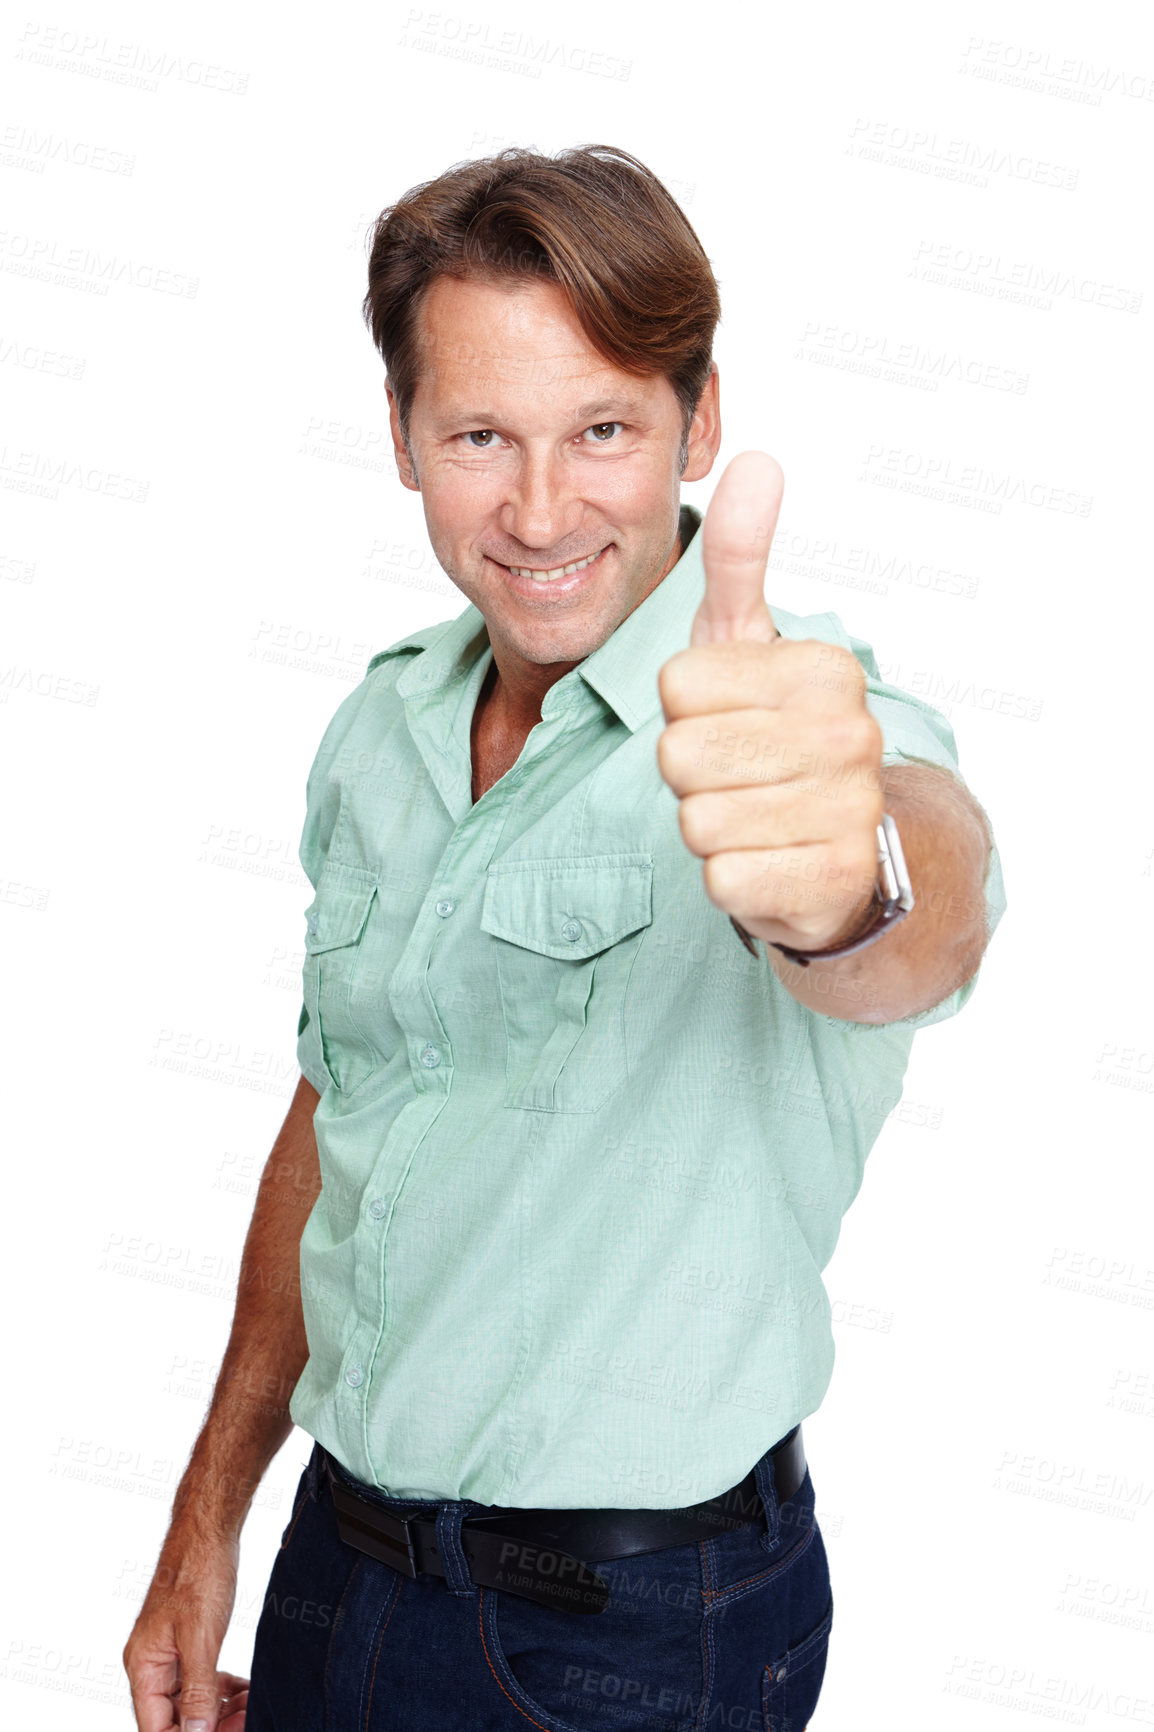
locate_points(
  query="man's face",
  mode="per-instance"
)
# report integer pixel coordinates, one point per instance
(533, 453)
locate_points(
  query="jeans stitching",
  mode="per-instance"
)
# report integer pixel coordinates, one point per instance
(456, 1564)
(380, 1639)
(337, 1619)
(708, 1646)
(284, 1545)
(489, 1660)
(812, 1647)
(748, 1582)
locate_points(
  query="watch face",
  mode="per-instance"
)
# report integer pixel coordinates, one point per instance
(894, 878)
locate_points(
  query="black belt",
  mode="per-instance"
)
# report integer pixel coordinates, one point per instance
(536, 1553)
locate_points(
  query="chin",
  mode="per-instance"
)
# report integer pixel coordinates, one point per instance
(561, 640)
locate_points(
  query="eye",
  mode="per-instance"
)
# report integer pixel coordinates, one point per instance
(600, 429)
(483, 433)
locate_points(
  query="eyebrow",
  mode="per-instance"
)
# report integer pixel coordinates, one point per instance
(585, 412)
(627, 406)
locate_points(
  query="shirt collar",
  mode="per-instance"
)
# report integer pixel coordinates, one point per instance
(623, 670)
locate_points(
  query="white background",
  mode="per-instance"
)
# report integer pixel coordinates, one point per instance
(910, 212)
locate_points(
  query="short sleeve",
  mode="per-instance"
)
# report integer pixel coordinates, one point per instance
(312, 852)
(322, 805)
(912, 730)
(308, 1053)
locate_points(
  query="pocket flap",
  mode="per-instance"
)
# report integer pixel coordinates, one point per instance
(569, 908)
(338, 911)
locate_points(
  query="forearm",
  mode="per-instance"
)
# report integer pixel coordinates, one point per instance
(939, 945)
(248, 1418)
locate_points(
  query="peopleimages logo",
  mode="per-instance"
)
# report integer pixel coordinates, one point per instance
(476, 40)
(1020, 280)
(128, 63)
(48, 259)
(26, 147)
(941, 477)
(961, 159)
(1039, 69)
(880, 356)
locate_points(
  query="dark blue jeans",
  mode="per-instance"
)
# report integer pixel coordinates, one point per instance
(728, 1633)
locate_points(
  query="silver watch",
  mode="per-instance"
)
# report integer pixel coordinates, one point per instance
(893, 899)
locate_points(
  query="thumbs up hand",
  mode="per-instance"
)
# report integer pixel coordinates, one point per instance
(769, 745)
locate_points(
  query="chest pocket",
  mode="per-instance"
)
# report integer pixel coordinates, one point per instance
(334, 926)
(567, 933)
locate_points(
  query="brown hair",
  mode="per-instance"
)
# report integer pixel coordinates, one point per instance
(594, 220)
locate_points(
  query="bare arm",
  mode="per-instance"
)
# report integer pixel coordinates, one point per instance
(178, 1635)
(248, 1419)
(946, 842)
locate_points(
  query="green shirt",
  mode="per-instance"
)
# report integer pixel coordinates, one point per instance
(583, 1157)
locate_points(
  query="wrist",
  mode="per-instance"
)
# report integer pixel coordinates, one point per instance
(862, 914)
(198, 1526)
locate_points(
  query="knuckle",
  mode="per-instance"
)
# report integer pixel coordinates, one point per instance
(671, 680)
(855, 675)
(841, 735)
(866, 806)
(668, 754)
(858, 736)
(721, 881)
(711, 876)
(696, 829)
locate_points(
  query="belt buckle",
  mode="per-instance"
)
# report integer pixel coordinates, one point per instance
(387, 1537)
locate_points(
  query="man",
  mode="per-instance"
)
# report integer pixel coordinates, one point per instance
(565, 1160)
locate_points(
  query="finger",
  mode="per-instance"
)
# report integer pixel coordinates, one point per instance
(803, 887)
(201, 1690)
(711, 677)
(743, 747)
(233, 1693)
(232, 1715)
(152, 1687)
(794, 815)
(736, 534)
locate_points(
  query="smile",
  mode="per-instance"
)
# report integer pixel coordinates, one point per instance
(558, 572)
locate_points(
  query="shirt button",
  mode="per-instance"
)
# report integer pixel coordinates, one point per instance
(571, 930)
(430, 1056)
(354, 1375)
(377, 1208)
(445, 907)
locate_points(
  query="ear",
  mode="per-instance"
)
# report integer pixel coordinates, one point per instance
(704, 440)
(404, 463)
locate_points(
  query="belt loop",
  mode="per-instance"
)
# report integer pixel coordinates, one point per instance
(452, 1553)
(767, 1490)
(312, 1471)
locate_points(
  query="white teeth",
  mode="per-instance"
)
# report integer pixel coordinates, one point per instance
(561, 570)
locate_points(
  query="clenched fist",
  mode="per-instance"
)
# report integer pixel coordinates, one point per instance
(769, 745)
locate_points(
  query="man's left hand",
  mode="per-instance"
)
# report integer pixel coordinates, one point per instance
(769, 745)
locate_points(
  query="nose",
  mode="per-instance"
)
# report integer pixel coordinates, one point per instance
(541, 510)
